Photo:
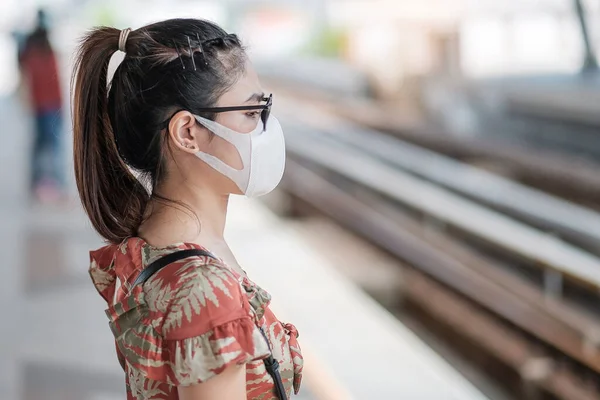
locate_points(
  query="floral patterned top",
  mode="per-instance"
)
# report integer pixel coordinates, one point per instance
(189, 322)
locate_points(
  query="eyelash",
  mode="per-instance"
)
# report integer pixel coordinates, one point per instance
(253, 114)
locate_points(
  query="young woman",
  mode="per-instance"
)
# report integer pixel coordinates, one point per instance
(182, 125)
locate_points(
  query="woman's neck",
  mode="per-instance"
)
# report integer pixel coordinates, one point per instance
(196, 215)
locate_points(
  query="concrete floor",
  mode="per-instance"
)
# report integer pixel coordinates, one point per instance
(55, 340)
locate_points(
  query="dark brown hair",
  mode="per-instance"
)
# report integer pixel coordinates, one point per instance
(170, 65)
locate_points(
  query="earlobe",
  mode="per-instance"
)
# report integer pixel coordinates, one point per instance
(188, 146)
(181, 130)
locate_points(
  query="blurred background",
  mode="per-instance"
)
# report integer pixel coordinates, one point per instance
(442, 161)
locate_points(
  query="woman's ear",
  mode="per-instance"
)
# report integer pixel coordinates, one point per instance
(185, 132)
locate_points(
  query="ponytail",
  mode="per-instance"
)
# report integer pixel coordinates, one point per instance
(114, 200)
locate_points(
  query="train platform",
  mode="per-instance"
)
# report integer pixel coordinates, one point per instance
(355, 349)
(56, 344)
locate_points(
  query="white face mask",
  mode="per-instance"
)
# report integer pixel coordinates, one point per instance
(262, 154)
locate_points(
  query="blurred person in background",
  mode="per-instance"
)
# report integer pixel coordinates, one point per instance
(186, 112)
(39, 68)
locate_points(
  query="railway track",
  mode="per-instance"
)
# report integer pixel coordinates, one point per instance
(563, 175)
(497, 288)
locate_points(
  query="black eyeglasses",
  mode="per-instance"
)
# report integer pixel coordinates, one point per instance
(264, 115)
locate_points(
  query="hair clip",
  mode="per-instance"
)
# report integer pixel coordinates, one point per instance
(179, 54)
(191, 52)
(204, 60)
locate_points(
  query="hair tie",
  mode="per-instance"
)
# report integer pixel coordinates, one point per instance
(123, 39)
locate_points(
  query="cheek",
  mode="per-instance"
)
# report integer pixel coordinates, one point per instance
(248, 125)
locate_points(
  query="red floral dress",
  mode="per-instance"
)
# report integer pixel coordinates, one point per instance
(189, 322)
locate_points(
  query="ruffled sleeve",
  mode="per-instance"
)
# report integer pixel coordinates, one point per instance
(196, 359)
(193, 321)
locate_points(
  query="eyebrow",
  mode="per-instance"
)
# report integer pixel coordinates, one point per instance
(257, 97)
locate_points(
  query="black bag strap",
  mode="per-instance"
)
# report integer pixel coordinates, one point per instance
(272, 367)
(271, 364)
(157, 265)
